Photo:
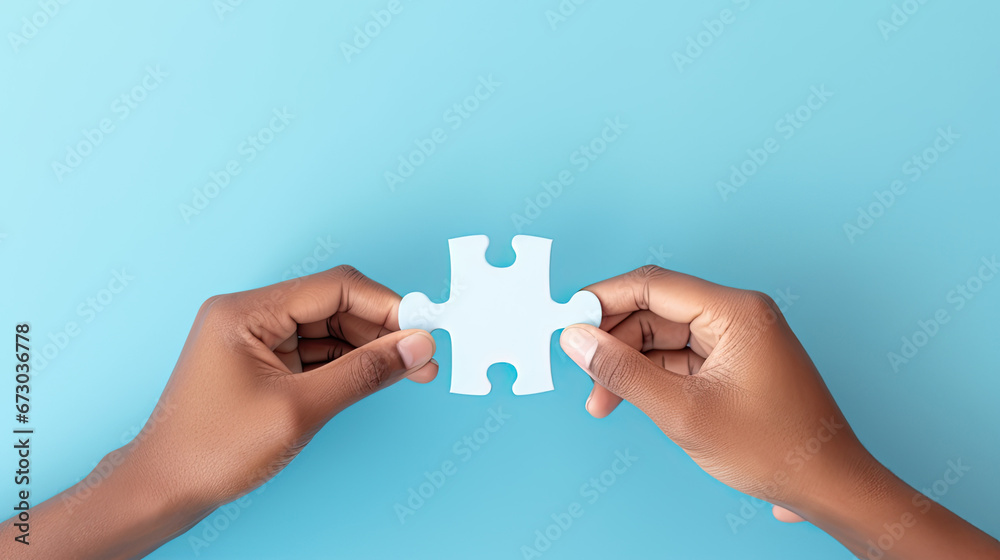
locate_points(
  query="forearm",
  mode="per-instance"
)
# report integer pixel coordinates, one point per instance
(112, 513)
(880, 517)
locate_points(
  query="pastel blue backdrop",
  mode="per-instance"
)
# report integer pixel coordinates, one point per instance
(693, 91)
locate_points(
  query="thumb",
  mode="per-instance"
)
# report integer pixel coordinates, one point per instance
(620, 368)
(365, 370)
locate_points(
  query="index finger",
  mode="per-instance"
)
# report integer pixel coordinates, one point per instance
(341, 289)
(672, 295)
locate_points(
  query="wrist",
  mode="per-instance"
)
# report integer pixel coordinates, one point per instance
(145, 508)
(878, 516)
(152, 486)
(140, 508)
(116, 511)
(863, 505)
(852, 507)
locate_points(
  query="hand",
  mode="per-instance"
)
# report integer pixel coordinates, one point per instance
(721, 373)
(263, 391)
(260, 373)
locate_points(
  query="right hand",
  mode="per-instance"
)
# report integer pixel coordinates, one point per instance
(721, 373)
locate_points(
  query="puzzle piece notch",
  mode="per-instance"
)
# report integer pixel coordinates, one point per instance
(499, 315)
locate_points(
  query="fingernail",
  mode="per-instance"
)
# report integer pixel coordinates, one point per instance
(579, 345)
(587, 404)
(415, 350)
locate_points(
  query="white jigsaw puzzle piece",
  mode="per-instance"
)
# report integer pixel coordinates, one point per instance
(499, 314)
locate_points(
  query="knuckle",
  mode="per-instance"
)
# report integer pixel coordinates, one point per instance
(227, 318)
(221, 305)
(759, 307)
(346, 272)
(641, 278)
(760, 300)
(208, 304)
(371, 371)
(216, 310)
(648, 271)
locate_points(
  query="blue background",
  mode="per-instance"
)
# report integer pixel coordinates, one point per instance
(651, 197)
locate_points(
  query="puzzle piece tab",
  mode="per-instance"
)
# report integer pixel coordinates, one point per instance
(499, 314)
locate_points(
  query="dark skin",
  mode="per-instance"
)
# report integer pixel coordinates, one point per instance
(722, 374)
(717, 369)
(260, 373)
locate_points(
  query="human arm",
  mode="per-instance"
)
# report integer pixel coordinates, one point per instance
(260, 373)
(722, 374)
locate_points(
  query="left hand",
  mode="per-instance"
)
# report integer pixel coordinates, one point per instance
(261, 372)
